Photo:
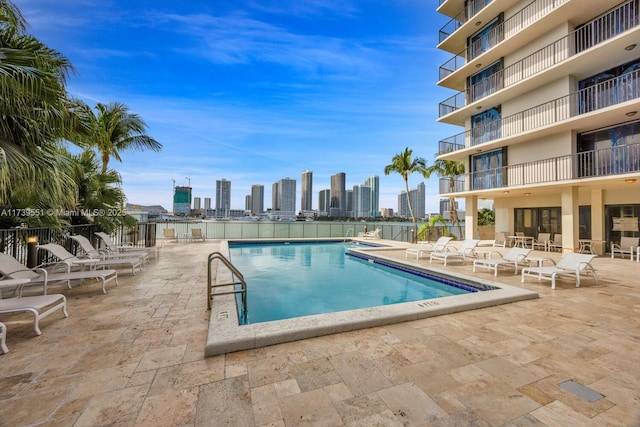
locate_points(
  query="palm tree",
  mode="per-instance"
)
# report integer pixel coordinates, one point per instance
(451, 170)
(34, 106)
(404, 165)
(115, 129)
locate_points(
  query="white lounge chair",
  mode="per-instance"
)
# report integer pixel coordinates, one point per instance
(73, 261)
(91, 252)
(375, 234)
(12, 268)
(571, 264)
(3, 338)
(425, 247)
(112, 247)
(513, 258)
(467, 249)
(626, 246)
(35, 305)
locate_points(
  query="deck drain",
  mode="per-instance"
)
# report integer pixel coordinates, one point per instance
(223, 315)
(578, 389)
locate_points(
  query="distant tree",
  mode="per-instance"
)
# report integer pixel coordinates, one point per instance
(451, 170)
(486, 217)
(404, 165)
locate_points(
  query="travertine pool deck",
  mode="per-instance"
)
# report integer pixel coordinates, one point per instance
(135, 356)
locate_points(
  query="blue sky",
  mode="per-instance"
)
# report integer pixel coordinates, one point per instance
(254, 91)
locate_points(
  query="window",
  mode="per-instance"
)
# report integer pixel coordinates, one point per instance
(487, 169)
(610, 87)
(485, 39)
(485, 82)
(609, 151)
(486, 126)
(532, 221)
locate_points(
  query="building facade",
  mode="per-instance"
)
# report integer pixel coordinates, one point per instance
(324, 201)
(548, 95)
(181, 200)
(373, 182)
(257, 199)
(223, 198)
(418, 202)
(338, 205)
(284, 197)
(306, 194)
(361, 201)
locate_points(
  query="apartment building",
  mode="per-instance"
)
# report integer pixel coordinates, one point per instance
(547, 95)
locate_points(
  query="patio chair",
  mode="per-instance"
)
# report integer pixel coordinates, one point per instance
(73, 261)
(169, 234)
(466, 249)
(375, 234)
(571, 264)
(555, 243)
(500, 239)
(196, 234)
(12, 268)
(626, 246)
(35, 305)
(542, 241)
(425, 247)
(112, 247)
(91, 252)
(513, 258)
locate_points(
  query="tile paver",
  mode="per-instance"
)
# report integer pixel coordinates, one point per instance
(135, 357)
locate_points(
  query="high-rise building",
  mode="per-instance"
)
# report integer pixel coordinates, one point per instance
(182, 200)
(247, 203)
(349, 205)
(373, 182)
(223, 198)
(207, 203)
(324, 200)
(196, 203)
(287, 197)
(275, 196)
(306, 191)
(547, 98)
(338, 205)
(418, 202)
(257, 199)
(361, 201)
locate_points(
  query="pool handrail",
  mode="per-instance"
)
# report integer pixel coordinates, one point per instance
(234, 273)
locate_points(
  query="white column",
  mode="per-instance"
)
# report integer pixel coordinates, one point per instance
(471, 217)
(570, 219)
(597, 220)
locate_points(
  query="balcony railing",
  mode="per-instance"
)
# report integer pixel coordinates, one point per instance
(605, 94)
(447, 185)
(613, 161)
(472, 9)
(522, 19)
(618, 20)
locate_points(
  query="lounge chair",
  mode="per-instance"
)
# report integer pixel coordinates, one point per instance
(467, 249)
(91, 252)
(425, 247)
(375, 234)
(513, 258)
(72, 261)
(12, 268)
(196, 234)
(626, 246)
(571, 264)
(541, 242)
(3, 338)
(35, 305)
(112, 247)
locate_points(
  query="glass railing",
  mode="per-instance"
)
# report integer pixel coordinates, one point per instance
(620, 19)
(471, 9)
(605, 94)
(522, 19)
(605, 162)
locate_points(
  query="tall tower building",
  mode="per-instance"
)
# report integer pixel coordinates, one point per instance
(338, 206)
(418, 202)
(182, 200)
(546, 97)
(223, 198)
(373, 182)
(275, 196)
(306, 191)
(257, 199)
(196, 203)
(324, 200)
(207, 203)
(361, 201)
(287, 197)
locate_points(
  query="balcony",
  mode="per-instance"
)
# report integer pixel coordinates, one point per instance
(622, 18)
(531, 13)
(472, 8)
(608, 162)
(605, 94)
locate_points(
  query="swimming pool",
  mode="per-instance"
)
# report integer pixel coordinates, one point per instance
(226, 334)
(287, 280)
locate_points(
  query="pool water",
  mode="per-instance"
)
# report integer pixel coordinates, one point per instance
(287, 280)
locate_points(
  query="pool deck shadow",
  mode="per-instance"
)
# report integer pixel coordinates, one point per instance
(227, 335)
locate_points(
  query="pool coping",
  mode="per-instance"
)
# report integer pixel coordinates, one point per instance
(226, 335)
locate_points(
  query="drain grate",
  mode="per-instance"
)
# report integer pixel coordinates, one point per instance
(578, 389)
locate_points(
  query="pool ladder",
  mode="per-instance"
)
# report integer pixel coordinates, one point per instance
(349, 232)
(236, 277)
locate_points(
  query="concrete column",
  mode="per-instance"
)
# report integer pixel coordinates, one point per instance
(471, 217)
(597, 220)
(570, 219)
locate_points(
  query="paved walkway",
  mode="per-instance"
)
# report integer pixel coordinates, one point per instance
(135, 357)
